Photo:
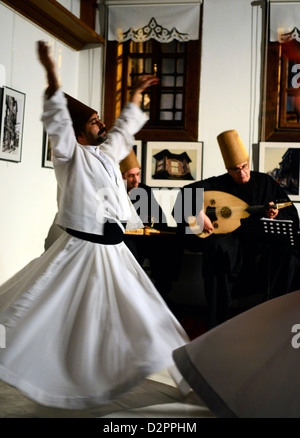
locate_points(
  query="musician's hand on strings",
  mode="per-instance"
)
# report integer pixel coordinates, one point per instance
(204, 220)
(272, 212)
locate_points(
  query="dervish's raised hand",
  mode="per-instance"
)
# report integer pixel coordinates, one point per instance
(47, 61)
(141, 85)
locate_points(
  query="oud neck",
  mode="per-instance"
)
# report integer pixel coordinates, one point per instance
(252, 209)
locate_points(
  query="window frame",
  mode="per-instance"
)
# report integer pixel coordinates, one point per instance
(114, 99)
(156, 57)
(274, 98)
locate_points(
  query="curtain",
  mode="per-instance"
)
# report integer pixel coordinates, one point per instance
(164, 23)
(285, 21)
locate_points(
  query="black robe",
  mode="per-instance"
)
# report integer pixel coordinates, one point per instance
(161, 250)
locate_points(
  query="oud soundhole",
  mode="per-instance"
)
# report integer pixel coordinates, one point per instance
(225, 212)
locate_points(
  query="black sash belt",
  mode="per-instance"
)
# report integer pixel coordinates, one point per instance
(113, 235)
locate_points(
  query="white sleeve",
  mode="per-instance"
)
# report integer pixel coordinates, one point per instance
(58, 124)
(120, 138)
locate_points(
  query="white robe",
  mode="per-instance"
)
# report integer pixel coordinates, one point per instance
(88, 194)
(83, 322)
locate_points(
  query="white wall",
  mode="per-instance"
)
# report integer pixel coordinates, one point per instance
(230, 76)
(27, 190)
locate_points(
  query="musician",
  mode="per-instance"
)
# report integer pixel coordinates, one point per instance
(234, 262)
(141, 195)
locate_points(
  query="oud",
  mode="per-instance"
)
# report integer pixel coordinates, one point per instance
(226, 211)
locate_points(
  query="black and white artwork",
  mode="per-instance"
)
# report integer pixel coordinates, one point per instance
(11, 127)
(47, 152)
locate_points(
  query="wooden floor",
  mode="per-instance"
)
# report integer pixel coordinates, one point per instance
(155, 397)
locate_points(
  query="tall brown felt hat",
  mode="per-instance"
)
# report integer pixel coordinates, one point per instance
(130, 162)
(79, 112)
(232, 148)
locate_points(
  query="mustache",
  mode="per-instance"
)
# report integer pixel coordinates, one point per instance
(102, 131)
(101, 137)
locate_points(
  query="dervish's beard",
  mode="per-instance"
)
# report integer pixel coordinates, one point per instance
(102, 135)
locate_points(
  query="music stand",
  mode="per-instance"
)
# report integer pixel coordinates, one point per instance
(282, 232)
(279, 229)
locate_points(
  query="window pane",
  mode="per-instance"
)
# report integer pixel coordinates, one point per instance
(135, 47)
(178, 115)
(166, 115)
(168, 65)
(291, 114)
(169, 47)
(178, 104)
(140, 47)
(180, 66)
(179, 81)
(148, 66)
(168, 81)
(167, 101)
(173, 47)
(135, 66)
(181, 47)
(148, 47)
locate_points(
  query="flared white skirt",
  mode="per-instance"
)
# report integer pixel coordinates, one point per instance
(83, 324)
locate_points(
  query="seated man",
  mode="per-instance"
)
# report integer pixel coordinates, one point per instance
(236, 257)
(141, 195)
(160, 249)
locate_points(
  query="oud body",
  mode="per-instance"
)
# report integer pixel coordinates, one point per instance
(225, 212)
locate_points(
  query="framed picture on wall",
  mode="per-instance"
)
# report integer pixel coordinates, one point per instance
(137, 147)
(11, 124)
(47, 152)
(281, 161)
(173, 164)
